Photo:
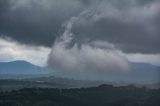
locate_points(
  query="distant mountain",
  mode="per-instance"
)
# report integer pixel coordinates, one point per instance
(145, 66)
(146, 73)
(20, 68)
(140, 73)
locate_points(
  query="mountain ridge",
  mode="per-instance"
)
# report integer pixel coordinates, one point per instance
(20, 67)
(139, 73)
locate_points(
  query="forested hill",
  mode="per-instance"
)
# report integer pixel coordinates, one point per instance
(104, 95)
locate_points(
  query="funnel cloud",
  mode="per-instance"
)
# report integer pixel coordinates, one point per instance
(85, 60)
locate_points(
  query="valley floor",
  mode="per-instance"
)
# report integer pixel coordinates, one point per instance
(104, 95)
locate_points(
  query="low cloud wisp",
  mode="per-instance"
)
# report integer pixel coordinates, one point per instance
(11, 50)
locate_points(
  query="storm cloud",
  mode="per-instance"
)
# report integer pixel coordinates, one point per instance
(131, 25)
(132, 28)
(27, 20)
(94, 59)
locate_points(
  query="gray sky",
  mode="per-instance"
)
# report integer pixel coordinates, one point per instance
(129, 29)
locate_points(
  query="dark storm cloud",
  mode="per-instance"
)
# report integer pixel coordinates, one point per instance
(36, 21)
(129, 38)
(131, 25)
(133, 28)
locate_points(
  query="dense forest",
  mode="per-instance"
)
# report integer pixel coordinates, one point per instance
(104, 95)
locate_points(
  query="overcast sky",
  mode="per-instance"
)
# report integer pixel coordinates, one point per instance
(80, 34)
